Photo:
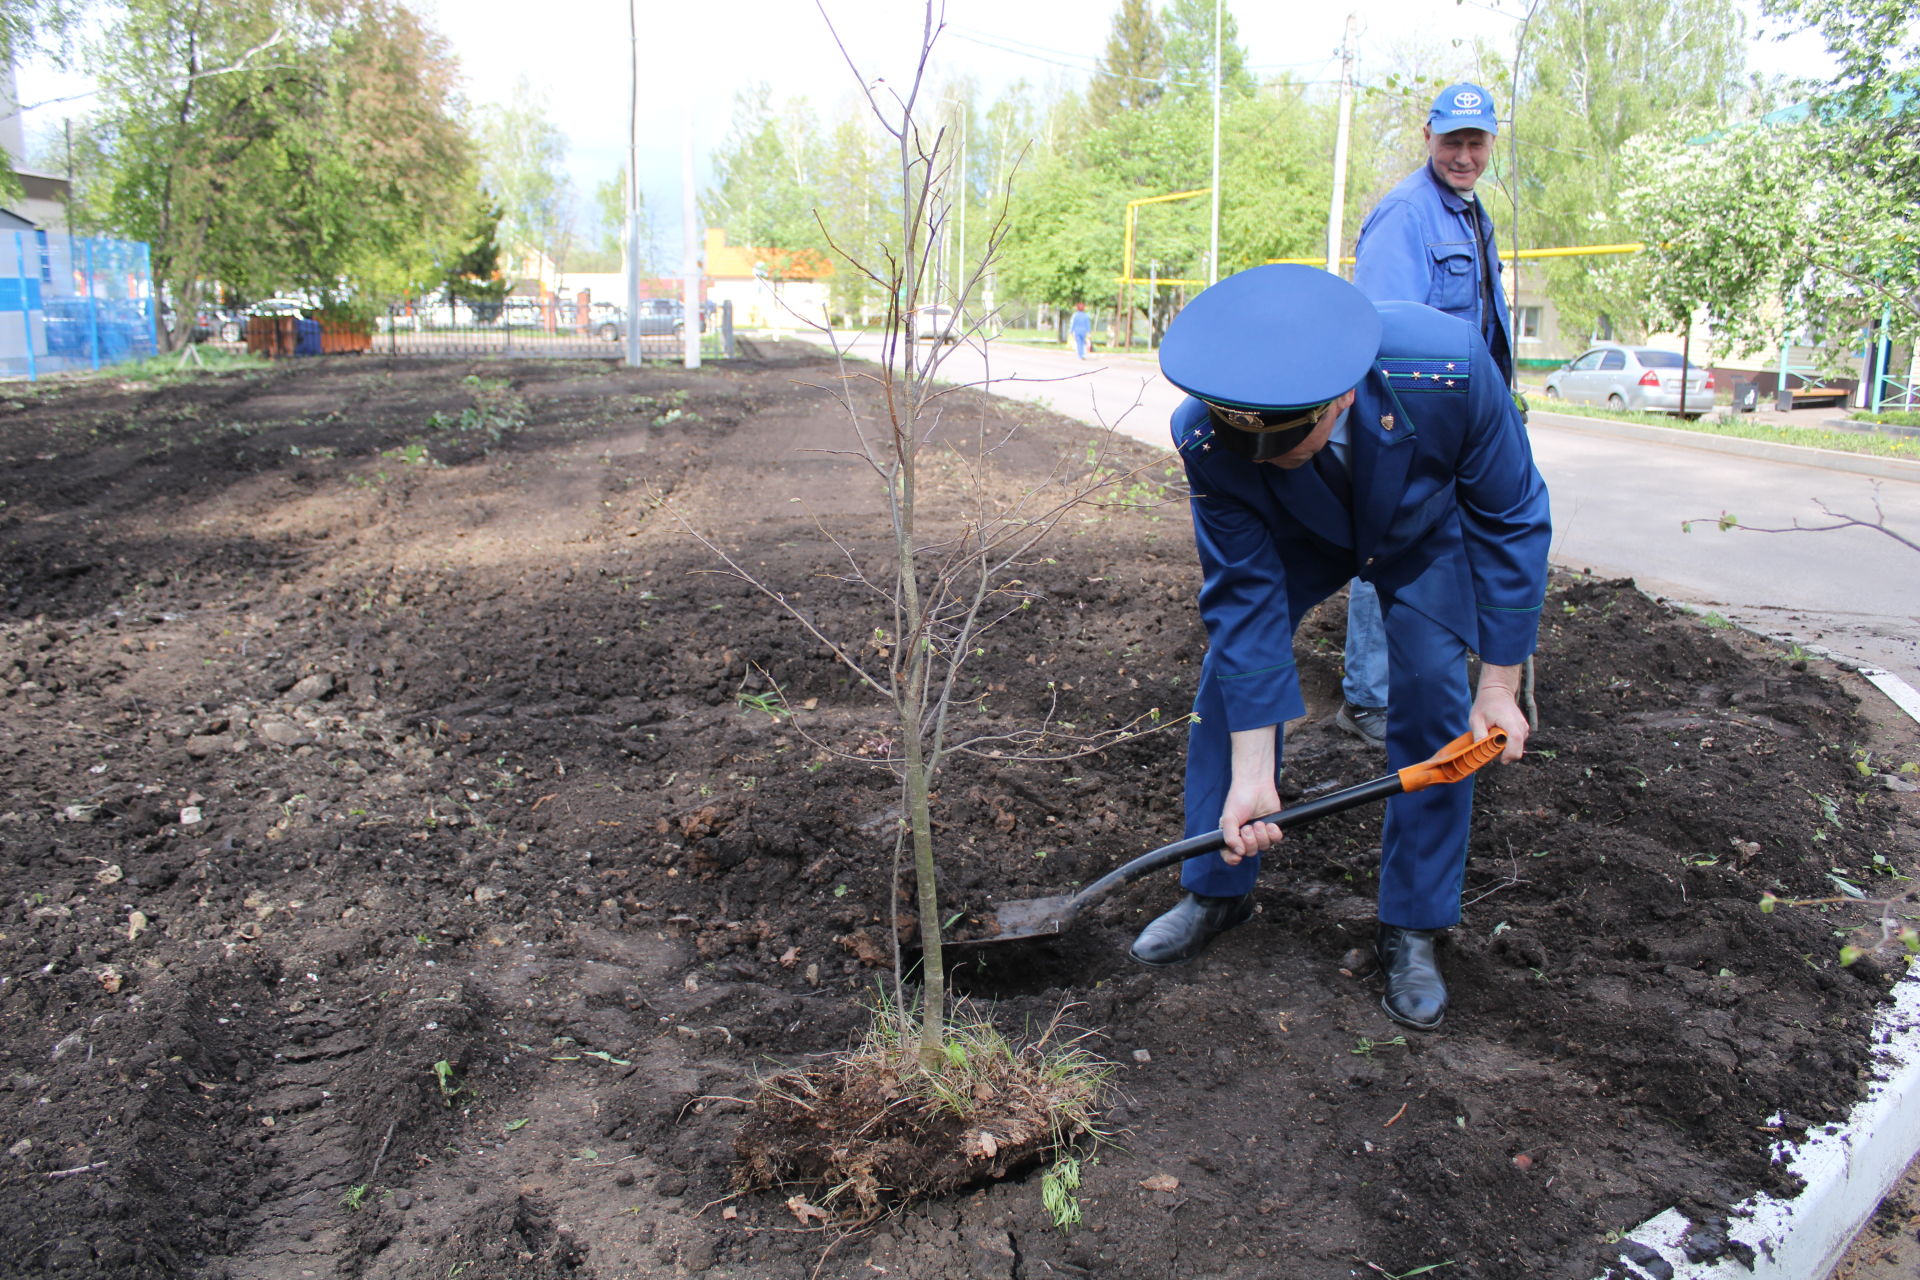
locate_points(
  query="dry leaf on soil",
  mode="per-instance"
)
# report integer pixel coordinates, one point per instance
(807, 1212)
(982, 1146)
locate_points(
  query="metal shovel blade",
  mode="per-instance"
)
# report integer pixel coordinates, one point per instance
(1033, 918)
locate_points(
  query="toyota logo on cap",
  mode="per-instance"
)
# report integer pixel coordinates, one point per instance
(1466, 100)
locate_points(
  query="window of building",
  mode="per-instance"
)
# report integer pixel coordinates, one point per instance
(1526, 324)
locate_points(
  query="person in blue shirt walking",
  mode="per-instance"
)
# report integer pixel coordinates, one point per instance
(1326, 436)
(1081, 327)
(1429, 240)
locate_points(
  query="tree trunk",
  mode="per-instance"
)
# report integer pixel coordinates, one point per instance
(933, 972)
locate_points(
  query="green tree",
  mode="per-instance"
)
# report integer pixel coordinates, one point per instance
(766, 179)
(1066, 242)
(602, 245)
(1190, 42)
(1064, 245)
(1805, 218)
(1721, 217)
(858, 205)
(523, 156)
(474, 273)
(1132, 73)
(1870, 111)
(276, 144)
(1594, 74)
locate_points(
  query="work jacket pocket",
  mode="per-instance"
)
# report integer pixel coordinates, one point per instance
(1453, 282)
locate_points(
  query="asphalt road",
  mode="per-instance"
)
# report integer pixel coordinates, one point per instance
(1619, 502)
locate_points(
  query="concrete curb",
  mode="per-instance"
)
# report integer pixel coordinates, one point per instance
(1832, 459)
(1847, 1168)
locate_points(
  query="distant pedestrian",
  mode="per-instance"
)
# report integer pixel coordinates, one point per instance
(1081, 327)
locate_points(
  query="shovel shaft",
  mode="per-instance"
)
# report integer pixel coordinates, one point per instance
(1048, 917)
(1180, 850)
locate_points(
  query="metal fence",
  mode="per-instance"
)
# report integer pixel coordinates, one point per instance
(72, 302)
(453, 326)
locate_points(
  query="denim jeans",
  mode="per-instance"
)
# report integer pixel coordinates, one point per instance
(1080, 345)
(1365, 684)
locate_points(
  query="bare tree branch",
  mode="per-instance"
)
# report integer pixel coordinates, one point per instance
(1725, 521)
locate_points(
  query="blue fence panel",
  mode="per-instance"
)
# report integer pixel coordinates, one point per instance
(73, 302)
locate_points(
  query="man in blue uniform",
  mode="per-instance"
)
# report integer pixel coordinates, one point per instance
(1429, 240)
(1327, 437)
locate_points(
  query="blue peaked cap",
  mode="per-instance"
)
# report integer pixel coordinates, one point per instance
(1273, 337)
(1463, 106)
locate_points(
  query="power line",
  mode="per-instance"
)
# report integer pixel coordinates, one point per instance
(991, 42)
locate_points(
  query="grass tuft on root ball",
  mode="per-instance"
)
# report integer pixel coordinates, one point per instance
(872, 1129)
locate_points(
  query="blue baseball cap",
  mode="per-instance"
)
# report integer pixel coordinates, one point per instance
(1272, 340)
(1463, 106)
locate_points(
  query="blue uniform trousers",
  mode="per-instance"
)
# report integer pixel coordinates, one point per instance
(1423, 849)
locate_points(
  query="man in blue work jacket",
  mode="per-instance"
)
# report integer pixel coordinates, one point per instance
(1326, 436)
(1429, 240)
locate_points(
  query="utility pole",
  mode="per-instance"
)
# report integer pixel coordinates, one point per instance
(690, 312)
(1337, 209)
(964, 276)
(1213, 250)
(633, 188)
(1153, 296)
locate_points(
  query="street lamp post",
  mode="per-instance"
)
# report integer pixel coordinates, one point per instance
(1213, 252)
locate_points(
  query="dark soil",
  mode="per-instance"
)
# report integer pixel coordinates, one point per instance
(363, 718)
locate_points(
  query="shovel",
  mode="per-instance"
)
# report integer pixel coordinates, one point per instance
(1049, 917)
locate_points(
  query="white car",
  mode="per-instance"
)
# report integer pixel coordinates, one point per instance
(1640, 378)
(938, 324)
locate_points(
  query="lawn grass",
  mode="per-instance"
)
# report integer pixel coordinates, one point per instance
(171, 366)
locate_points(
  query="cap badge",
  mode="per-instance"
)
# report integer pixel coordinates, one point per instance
(1245, 419)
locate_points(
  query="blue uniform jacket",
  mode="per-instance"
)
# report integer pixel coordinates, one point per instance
(1423, 243)
(1449, 518)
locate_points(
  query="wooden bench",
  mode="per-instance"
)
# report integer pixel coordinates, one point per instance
(1806, 397)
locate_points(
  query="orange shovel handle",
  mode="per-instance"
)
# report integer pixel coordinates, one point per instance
(1454, 761)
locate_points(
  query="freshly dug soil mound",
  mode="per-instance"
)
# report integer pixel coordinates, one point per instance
(398, 884)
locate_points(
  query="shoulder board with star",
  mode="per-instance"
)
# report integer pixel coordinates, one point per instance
(1425, 374)
(1198, 437)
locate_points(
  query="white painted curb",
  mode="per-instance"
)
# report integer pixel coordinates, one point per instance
(1847, 1167)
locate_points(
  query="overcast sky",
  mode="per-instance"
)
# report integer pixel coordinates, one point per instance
(695, 56)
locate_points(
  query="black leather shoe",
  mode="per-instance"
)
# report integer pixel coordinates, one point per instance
(1184, 932)
(1416, 995)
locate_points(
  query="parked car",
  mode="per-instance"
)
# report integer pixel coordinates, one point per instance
(278, 307)
(522, 313)
(217, 324)
(1640, 378)
(658, 317)
(447, 313)
(937, 324)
